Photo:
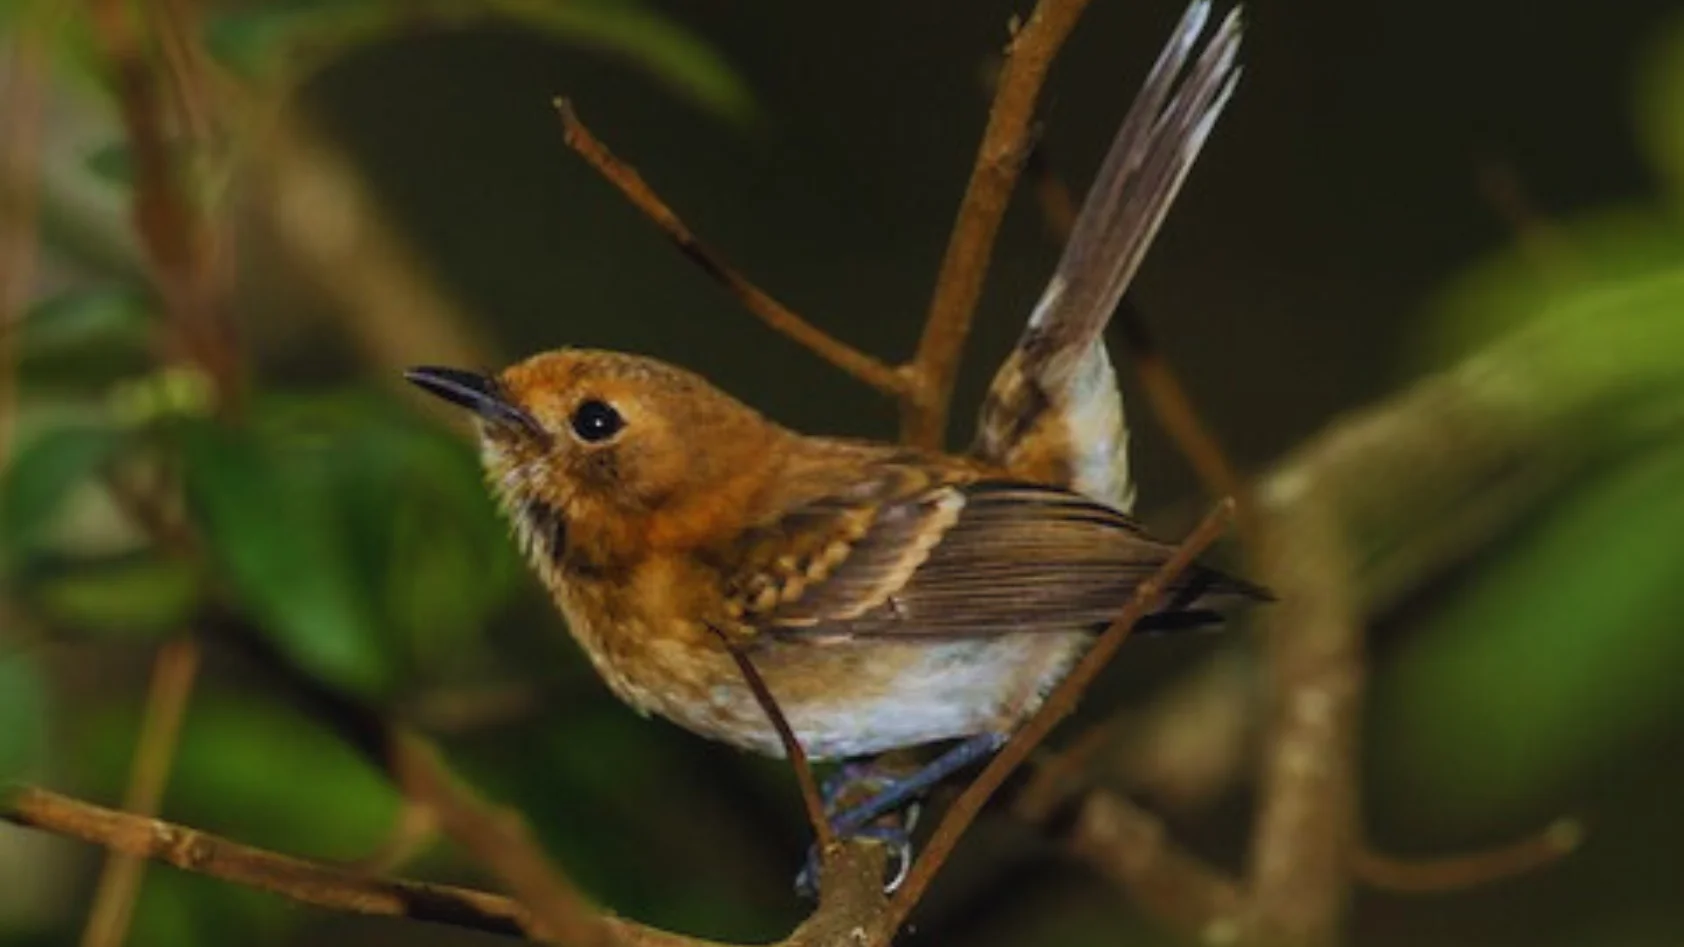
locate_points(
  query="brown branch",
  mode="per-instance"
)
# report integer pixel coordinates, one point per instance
(852, 905)
(1131, 848)
(176, 241)
(1471, 869)
(964, 266)
(625, 178)
(1298, 876)
(20, 166)
(499, 840)
(173, 673)
(302, 881)
(1059, 704)
(811, 798)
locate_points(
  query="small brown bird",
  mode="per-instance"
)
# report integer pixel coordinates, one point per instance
(888, 597)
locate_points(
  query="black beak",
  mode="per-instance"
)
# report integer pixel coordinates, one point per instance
(480, 394)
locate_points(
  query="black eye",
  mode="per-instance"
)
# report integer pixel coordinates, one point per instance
(596, 421)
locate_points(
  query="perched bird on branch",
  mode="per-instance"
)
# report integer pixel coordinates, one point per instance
(888, 597)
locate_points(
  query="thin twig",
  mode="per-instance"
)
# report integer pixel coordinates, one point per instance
(20, 165)
(1470, 869)
(1132, 848)
(810, 795)
(498, 839)
(173, 673)
(625, 178)
(302, 881)
(176, 241)
(964, 266)
(1059, 704)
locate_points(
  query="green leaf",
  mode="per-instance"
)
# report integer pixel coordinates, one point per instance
(132, 596)
(426, 541)
(256, 771)
(1660, 105)
(180, 909)
(272, 530)
(84, 338)
(263, 39)
(43, 473)
(23, 716)
(110, 162)
(295, 38)
(85, 316)
(1565, 651)
(684, 62)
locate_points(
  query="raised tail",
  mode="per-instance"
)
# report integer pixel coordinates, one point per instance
(1053, 413)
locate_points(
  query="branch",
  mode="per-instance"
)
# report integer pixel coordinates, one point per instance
(176, 241)
(1129, 846)
(21, 95)
(1057, 706)
(302, 881)
(1453, 872)
(173, 673)
(625, 178)
(811, 798)
(999, 159)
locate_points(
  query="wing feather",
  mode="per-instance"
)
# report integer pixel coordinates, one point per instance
(923, 558)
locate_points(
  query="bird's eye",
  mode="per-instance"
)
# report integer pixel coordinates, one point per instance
(596, 421)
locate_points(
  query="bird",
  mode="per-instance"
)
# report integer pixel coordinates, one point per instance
(889, 597)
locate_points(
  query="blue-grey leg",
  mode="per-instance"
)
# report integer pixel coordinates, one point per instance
(893, 793)
(889, 794)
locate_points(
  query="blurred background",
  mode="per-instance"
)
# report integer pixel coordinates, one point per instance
(1397, 191)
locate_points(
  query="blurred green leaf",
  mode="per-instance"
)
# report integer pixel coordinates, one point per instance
(427, 543)
(110, 162)
(84, 339)
(134, 596)
(82, 317)
(263, 39)
(289, 39)
(181, 909)
(647, 38)
(1610, 251)
(272, 530)
(1564, 652)
(1660, 104)
(43, 473)
(255, 771)
(23, 715)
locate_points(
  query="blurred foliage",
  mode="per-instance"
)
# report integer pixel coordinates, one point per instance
(360, 537)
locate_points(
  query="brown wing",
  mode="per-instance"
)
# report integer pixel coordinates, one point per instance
(950, 560)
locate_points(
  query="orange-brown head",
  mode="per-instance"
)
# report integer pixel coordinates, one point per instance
(604, 455)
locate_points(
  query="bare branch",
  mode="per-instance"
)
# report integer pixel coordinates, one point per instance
(173, 674)
(965, 265)
(302, 881)
(20, 166)
(178, 245)
(1470, 869)
(793, 750)
(1131, 847)
(625, 178)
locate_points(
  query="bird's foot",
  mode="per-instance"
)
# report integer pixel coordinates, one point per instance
(883, 795)
(893, 832)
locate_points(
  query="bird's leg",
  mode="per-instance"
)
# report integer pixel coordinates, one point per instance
(888, 793)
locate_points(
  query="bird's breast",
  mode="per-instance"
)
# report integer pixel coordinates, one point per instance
(842, 698)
